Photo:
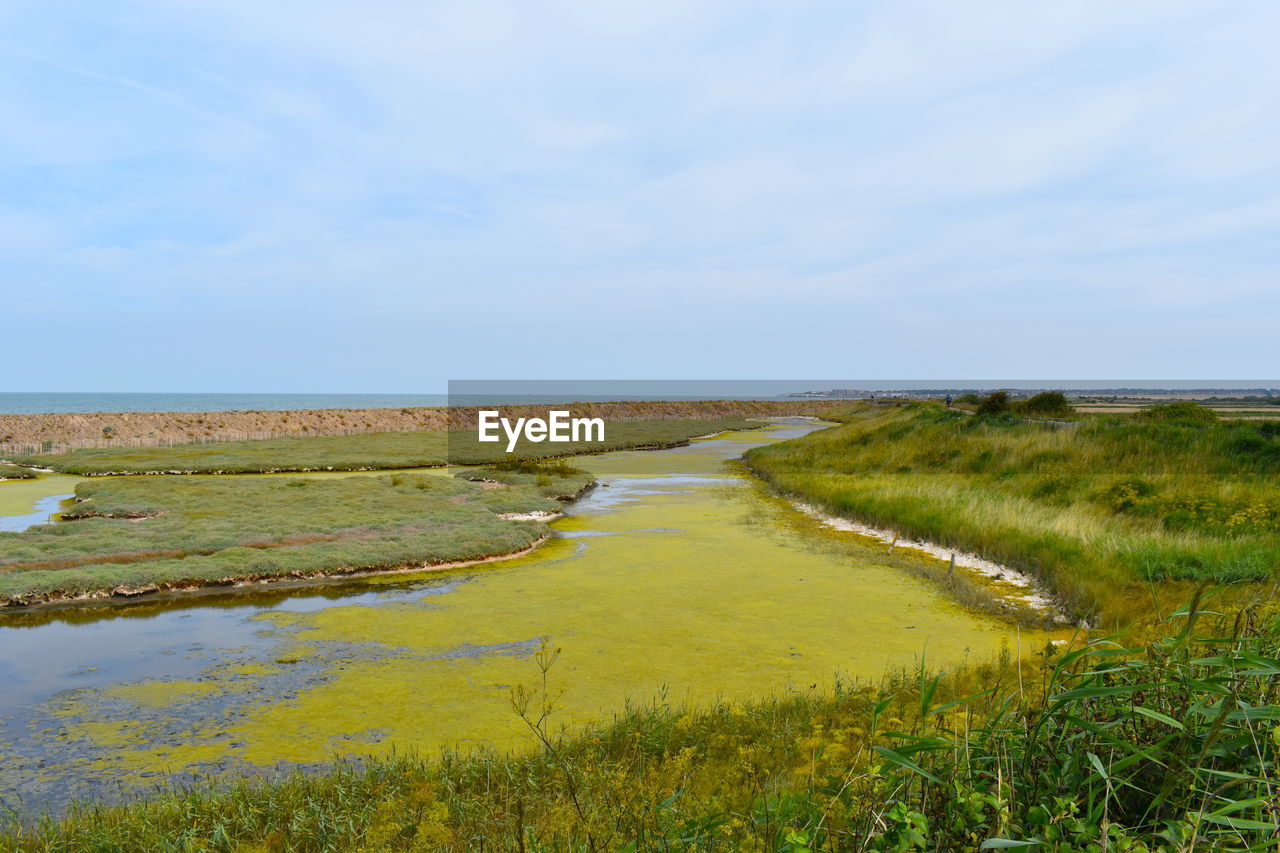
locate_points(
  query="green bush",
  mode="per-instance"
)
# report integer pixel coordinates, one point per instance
(1183, 410)
(1046, 404)
(1260, 448)
(995, 403)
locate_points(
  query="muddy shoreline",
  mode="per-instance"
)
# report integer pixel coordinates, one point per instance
(51, 600)
(1006, 584)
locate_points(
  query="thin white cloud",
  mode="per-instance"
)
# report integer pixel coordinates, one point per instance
(801, 170)
(162, 96)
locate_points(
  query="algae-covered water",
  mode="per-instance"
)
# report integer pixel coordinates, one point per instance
(679, 579)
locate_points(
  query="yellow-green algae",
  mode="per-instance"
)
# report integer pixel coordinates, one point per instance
(162, 694)
(662, 586)
(19, 497)
(243, 670)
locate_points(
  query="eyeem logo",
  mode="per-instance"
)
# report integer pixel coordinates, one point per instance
(558, 426)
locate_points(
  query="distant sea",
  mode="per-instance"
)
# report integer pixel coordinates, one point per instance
(29, 403)
(537, 392)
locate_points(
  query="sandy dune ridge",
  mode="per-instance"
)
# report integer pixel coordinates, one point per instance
(21, 434)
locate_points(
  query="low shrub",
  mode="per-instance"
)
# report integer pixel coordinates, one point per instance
(1183, 410)
(1046, 404)
(995, 403)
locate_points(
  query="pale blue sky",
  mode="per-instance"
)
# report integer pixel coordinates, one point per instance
(238, 195)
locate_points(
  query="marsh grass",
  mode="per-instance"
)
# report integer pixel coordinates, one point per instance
(1098, 510)
(369, 451)
(552, 479)
(142, 533)
(1113, 743)
(15, 472)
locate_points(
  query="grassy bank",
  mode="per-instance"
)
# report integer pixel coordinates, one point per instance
(369, 451)
(15, 472)
(142, 534)
(1099, 509)
(1112, 745)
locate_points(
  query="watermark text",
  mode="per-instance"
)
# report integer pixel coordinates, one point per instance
(558, 426)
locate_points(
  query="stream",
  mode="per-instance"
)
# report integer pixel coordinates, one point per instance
(678, 579)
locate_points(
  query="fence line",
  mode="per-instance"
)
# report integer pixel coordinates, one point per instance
(41, 448)
(454, 418)
(50, 448)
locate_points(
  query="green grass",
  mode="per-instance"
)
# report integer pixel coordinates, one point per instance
(1099, 509)
(15, 472)
(371, 451)
(1113, 744)
(148, 532)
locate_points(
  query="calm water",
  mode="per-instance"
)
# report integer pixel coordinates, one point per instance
(678, 577)
(43, 510)
(511, 393)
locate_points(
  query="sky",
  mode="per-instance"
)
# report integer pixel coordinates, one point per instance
(237, 195)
